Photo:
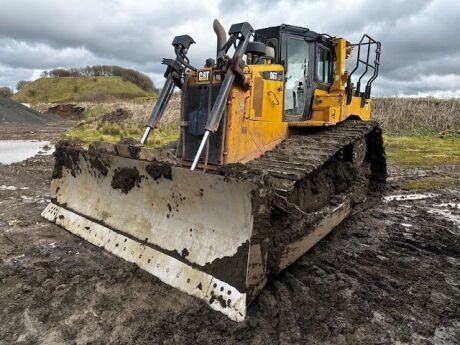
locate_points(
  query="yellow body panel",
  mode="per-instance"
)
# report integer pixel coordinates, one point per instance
(255, 116)
(254, 119)
(330, 107)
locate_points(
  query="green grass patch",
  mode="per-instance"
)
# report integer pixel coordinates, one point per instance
(423, 151)
(93, 110)
(429, 183)
(114, 132)
(81, 89)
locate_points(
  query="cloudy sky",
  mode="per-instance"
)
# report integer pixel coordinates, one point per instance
(420, 43)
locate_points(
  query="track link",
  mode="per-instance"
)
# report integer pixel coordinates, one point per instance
(310, 182)
(301, 155)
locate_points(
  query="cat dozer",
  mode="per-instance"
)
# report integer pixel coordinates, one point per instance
(276, 148)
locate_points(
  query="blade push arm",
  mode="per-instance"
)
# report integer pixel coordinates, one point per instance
(241, 33)
(174, 77)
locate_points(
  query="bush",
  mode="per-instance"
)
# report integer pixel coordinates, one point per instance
(5, 92)
(21, 84)
(111, 129)
(32, 93)
(417, 116)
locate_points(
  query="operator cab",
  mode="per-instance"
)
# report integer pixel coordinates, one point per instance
(308, 60)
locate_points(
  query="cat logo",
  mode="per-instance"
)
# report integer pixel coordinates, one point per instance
(204, 75)
(273, 75)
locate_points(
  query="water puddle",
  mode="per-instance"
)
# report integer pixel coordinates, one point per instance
(5, 187)
(13, 151)
(407, 225)
(409, 197)
(449, 211)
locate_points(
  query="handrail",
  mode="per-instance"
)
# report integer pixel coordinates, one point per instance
(363, 60)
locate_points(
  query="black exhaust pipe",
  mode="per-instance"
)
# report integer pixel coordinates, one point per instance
(221, 36)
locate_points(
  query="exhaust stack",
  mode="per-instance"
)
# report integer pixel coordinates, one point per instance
(221, 36)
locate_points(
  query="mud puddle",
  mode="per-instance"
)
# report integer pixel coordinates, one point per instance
(450, 211)
(13, 151)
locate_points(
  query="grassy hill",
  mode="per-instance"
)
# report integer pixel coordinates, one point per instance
(80, 89)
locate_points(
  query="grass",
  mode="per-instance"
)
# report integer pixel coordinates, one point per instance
(93, 128)
(114, 132)
(422, 151)
(79, 89)
(429, 183)
(422, 133)
(425, 152)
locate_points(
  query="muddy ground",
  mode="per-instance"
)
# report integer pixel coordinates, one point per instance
(388, 275)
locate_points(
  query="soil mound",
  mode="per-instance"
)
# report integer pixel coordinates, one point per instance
(116, 116)
(14, 112)
(67, 111)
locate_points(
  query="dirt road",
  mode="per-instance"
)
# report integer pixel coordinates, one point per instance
(390, 274)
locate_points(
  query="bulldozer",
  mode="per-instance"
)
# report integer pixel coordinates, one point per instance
(276, 148)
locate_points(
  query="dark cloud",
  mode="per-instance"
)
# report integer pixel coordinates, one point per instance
(420, 50)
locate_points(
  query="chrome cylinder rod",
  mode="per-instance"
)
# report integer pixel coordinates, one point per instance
(159, 107)
(200, 150)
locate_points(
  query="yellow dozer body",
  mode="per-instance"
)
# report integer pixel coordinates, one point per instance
(276, 149)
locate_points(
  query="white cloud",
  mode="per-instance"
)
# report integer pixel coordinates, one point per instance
(418, 37)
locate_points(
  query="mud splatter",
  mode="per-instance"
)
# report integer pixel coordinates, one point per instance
(125, 179)
(159, 169)
(231, 269)
(133, 146)
(217, 298)
(67, 155)
(97, 164)
(134, 151)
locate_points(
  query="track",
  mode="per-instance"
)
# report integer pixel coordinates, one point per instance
(301, 155)
(311, 182)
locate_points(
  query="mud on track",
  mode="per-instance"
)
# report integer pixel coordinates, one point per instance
(388, 274)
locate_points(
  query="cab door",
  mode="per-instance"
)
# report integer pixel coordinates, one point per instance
(298, 92)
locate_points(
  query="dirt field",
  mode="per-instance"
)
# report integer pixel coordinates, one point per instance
(388, 275)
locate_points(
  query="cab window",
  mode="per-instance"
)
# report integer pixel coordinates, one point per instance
(323, 65)
(296, 71)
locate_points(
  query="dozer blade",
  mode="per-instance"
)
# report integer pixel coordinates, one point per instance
(217, 236)
(189, 229)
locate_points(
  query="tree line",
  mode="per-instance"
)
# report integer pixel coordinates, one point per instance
(6, 92)
(136, 77)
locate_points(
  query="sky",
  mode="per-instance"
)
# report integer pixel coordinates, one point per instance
(420, 43)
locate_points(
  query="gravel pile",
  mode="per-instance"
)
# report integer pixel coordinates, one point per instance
(14, 112)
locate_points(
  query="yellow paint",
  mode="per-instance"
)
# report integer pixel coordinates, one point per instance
(329, 107)
(339, 81)
(255, 117)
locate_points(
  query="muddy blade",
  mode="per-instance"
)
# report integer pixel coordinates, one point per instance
(216, 237)
(189, 229)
